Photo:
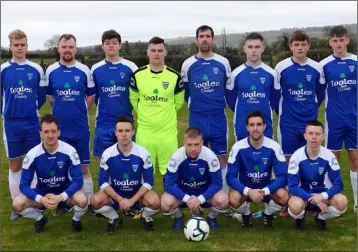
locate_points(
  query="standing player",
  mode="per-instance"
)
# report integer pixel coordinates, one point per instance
(58, 170)
(340, 70)
(302, 84)
(253, 86)
(314, 180)
(22, 94)
(205, 76)
(257, 172)
(112, 78)
(125, 177)
(193, 179)
(156, 95)
(71, 92)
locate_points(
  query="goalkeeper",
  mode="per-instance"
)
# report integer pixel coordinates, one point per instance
(156, 95)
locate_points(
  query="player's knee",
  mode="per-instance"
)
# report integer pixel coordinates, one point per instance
(18, 204)
(281, 197)
(96, 201)
(221, 201)
(81, 200)
(340, 202)
(154, 202)
(166, 203)
(15, 164)
(296, 205)
(235, 199)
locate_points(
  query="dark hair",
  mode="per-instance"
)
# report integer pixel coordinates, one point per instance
(255, 113)
(193, 132)
(204, 28)
(338, 31)
(111, 34)
(253, 36)
(67, 37)
(299, 35)
(48, 118)
(156, 41)
(315, 123)
(125, 119)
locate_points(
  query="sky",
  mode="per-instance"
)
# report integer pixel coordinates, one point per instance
(142, 20)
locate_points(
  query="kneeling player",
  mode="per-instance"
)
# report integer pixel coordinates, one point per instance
(257, 172)
(314, 180)
(125, 177)
(193, 179)
(59, 178)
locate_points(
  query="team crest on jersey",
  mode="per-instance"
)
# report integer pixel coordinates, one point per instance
(77, 78)
(262, 79)
(264, 160)
(351, 68)
(165, 84)
(135, 167)
(122, 74)
(215, 70)
(60, 164)
(30, 75)
(201, 170)
(308, 77)
(320, 170)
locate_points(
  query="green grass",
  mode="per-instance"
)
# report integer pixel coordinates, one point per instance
(18, 235)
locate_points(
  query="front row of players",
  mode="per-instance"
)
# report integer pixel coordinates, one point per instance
(257, 172)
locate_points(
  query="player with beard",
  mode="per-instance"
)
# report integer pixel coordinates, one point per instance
(257, 172)
(193, 179)
(71, 91)
(205, 76)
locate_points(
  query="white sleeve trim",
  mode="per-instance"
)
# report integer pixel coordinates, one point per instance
(202, 199)
(38, 198)
(267, 191)
(185, 198)
(246, 190)
(325, 195)
(104, 185)
(64, 196)
(148, 186)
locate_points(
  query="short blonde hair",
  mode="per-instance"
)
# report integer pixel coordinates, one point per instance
(17, 34)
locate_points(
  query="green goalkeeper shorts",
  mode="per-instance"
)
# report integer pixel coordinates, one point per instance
(160, 149)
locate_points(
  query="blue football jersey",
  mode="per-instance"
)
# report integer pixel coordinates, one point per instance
(69, 85)
(112, 80)
(252, 88)
(201, 177)
(250, 168)
(22, 90)
(307, 176)
(126, 174)
(58, 173)
(204, 83)
(302, 91)
(341, 92)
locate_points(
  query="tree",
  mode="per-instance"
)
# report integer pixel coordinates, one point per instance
(52, 42)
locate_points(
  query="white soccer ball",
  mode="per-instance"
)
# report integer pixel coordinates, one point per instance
(196, 229)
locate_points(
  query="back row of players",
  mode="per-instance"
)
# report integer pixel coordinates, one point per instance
(294, 91)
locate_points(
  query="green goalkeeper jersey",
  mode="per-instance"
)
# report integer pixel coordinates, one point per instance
(156, 97)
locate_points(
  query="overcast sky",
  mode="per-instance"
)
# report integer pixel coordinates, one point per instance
(143, 20)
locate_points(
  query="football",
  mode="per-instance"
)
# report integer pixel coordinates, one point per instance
(196, 229)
